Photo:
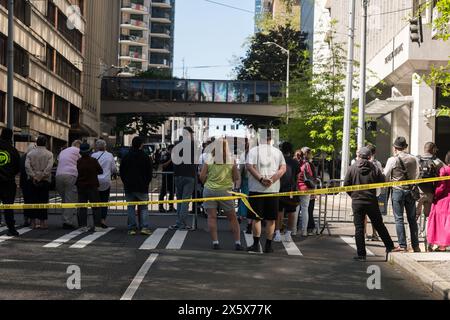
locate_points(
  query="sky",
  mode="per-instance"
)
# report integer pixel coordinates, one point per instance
(208, 34)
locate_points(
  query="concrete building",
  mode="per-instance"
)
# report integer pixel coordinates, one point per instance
(58, 61)
(146, 35)
(396, 66)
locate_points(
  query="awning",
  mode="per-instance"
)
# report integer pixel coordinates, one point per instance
(380, 108)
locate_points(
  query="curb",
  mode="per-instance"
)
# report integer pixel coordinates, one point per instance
(430, 279)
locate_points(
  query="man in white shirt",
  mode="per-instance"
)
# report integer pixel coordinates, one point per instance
(106, 161)
(266, 165)
(66, 178)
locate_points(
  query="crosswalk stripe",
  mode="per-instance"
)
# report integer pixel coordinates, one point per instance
(134, 285)
(3, 229)
(177, 240)
(351, 242)
(153, 241)
(21, 232)
(291, 248)
(80, 244)
(65, 238)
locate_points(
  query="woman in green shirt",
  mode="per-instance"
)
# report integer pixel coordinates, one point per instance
(219, 174)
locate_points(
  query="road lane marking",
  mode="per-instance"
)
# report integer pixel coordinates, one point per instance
(3, 229)
(291, 248)
(21, 232)
(153, 241)
(134, 285)
(351, 242)
(65, 238)
(249, 241)
(89, 239)
(177, 240)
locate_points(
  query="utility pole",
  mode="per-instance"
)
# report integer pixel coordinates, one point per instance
(348, 95)
(10, 84)
(363, 67)
(287, 85)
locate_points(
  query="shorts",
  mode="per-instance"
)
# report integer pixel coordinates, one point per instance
(227, 205)
(288, 204)
(266, 208)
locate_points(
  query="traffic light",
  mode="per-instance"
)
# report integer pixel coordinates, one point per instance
(415, 28)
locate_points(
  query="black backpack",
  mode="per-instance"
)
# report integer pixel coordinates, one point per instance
(428, 169)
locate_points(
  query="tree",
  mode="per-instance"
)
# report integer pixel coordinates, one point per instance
(440, 76)
(264, 62)
(140, 124)
(317, 103)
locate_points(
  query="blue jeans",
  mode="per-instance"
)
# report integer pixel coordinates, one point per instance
(403, 200)
(304, 212)
(184, 189)
(143, 210)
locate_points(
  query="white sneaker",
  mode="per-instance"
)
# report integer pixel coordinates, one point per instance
(294, 233)
(287, 237)
(304, 233)
(84, 229)
(277, 237)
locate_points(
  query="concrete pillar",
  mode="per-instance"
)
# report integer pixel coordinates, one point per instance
(401, 124)
(422, 129)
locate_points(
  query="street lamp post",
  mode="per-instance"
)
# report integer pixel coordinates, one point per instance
(10, 81)
(288, 53)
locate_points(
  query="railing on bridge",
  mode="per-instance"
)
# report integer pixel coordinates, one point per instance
(195, 91)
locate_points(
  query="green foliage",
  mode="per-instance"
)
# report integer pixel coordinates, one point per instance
(264, 62)
(143, 125)
(317, 103)
(163, 74)
(440, 76)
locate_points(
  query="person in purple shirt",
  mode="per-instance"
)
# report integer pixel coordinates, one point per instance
(66, 178)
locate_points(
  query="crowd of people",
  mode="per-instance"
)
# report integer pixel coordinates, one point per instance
(84, 175)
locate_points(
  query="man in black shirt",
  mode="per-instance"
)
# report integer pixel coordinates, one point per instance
(288, 183)
(365, 202)
(185, 171)
(9, 168)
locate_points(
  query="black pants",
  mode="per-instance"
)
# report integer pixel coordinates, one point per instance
(104, 197)
(27, 199)
(373, 212)
(39, 194)
(311, 223)
(86, 195)
(167, 187)
(7, 196)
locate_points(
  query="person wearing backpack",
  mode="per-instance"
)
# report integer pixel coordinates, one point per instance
(404, 166)
(429, 166)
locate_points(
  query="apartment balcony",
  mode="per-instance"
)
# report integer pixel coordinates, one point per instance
(134, 25)
(159, 65)
(133, 8)
(161, 17)
(134, 56)
(161, 4)
(133, 40)
(164, 50)
(162, 35)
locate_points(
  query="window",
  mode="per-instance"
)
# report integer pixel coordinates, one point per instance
(20, 113)
(49, 58)
(22, 10)
(21, 61)
(61, 109)
(48, 102)
(67, 71)
(72, 35)
(3, 50)
(51, 12)
(2, 107)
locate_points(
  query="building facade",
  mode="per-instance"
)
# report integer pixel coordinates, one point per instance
(56, 63)
(399, 100)
(146, 35)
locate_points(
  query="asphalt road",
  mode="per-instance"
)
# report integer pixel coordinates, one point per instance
(114, 267)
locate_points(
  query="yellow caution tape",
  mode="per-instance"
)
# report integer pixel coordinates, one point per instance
(234, 196)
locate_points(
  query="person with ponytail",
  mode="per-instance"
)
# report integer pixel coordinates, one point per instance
(305, 181)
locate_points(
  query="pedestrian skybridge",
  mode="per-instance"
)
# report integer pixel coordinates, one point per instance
(216, 98)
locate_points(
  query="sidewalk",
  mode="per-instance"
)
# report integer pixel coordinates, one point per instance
(432, 268)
